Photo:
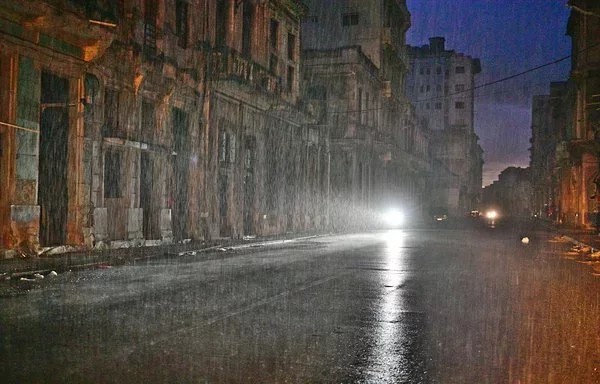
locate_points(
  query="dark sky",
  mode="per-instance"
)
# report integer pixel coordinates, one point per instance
(509, 36)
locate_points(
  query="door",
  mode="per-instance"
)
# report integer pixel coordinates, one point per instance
(54, 129)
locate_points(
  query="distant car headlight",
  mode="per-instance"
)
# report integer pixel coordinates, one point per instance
(393, 218)
(491, 214)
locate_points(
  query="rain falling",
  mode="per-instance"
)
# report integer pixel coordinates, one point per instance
(299, 191)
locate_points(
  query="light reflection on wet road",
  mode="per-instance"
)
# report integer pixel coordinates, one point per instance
(412, 306)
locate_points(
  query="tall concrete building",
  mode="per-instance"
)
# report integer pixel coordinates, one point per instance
(440, 83)
(355, 56)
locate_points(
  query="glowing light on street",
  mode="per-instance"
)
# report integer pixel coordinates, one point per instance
(491, 214)
(394, 218)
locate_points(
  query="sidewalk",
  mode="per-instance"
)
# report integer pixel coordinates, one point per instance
(69, 261)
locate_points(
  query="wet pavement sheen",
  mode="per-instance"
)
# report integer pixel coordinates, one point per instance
(402, 306)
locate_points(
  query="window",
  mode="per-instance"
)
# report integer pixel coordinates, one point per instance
(428, 71)
(422, 89)
(459, 105)
(438, 87)
(273, 63)
(459, 87)
(291, 46)
(112, 174)
(290, 78)
(428, 88)
(438, 70)
(221, 32)
(111, 113)
(181, 23)
(460, 69)
(226, 148)
(349, 19)
(150, 19)
(422, 71)
(273, 34)
(360, 105)
(427, 106)
(247, 29)
(367, 107)
(148, 121)
(438, 105)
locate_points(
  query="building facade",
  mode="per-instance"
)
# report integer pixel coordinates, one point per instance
(580, 138)
(379, 146)
(143, 122)
(441, 85)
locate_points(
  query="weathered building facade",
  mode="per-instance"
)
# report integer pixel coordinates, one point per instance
(441, 84)
(379, 147)
(566, 130)
(580, 138)
(144, 122)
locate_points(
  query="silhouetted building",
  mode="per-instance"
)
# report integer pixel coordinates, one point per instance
(441, 85)
(510, 194)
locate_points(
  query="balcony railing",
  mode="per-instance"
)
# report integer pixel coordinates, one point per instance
(232, 65)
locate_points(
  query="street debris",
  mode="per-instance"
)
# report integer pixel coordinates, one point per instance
(27, 279)
(525, 240)
(560, 239)
(52, 274)
(38, 276)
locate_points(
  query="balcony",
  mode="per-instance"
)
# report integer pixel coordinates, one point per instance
(230, 65)
(82, 30)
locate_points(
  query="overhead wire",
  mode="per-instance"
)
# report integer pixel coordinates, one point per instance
(472, 89)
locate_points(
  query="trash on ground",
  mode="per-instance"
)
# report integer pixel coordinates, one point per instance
(525, 240)
(52, 274)
(38, 276)
(27, 279)
(560, 239)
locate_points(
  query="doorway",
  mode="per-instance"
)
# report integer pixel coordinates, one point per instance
(53, 157)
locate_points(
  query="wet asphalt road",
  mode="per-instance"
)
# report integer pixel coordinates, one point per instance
(405, 306)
